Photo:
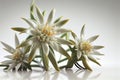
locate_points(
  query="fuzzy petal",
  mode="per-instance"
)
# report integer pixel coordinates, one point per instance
(62, 30)
(29, 23)
(61, 23)
(62, 41)
(7, 62)
(97, 47)
(96, 53)
(9, 56)
(93, 38)
(45, 48)
(8, 47)
(50, 17)
(59, 49)
(40, 16)
(58, 19)
(75, 37)
(16, 40)
(82, 32)
(12, 66)
(94, 60)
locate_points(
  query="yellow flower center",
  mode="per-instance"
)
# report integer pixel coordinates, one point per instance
(48, 30)
(16, 55)
(86, 46)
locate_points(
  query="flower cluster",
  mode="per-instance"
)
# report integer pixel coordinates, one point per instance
(44, 39)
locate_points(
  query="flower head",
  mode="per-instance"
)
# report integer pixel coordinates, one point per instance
(85, 49)
(18, 60)
(43, 35)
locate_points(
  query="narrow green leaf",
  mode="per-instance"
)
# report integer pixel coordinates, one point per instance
(19, 29)
(58, 19)
(84, 61)
(94, 60)
(53, 61)
(8, 47)
(61, 23)
(40, 16)
(50, 17)
(93, 38)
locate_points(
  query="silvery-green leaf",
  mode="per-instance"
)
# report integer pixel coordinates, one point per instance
(8, 48)
(58, 19)
(45, 48)
(94, 60)
(27, 49)
(29, 23)
(32, 54)
(9, 56)
(75, 37)
(45, 59)
(53, 61)
(96, 53)
(62, 41)
(63, 35)
(31, 10)
(79, 54)
(62, 30)
(93, 38)
(24, 43)
(85, 63)
(7, 62)
(19, 29)
(61, 23)
(50, 17)
(11, 66)
(97, 47)
(82, 32)
(59, 49)
(40, 16)
(16, 40)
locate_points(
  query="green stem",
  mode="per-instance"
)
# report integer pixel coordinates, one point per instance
(62, 60)
(61, 67)
(3, 65)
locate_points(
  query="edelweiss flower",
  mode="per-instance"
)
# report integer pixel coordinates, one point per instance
(85, 49)
(18, 58)
(43, 34)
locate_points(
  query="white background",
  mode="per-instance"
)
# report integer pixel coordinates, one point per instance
(100, 16)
